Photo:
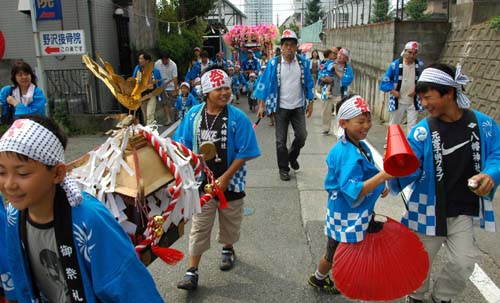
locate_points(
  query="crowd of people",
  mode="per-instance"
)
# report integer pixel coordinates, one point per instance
(458, 148)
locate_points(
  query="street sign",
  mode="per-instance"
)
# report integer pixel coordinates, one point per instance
(48, 10)
(58, 43)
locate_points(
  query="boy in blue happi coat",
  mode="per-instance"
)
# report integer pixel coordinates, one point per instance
(62, 245)
(353, 184)
(456, 147)
(229, 130)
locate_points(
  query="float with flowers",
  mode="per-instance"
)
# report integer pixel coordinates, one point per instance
(258, 38)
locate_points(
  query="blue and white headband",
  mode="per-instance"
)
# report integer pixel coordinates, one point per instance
(351, 108)
(29, 138)
(434, 75)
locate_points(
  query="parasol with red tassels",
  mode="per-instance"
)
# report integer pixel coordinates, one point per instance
(388, 264)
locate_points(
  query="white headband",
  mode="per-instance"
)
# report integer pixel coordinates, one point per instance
(351, 108)
(411, 45)
(29, 138)
(437, 76)
(214, 79)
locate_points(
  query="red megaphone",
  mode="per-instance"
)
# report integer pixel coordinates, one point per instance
(400, 160)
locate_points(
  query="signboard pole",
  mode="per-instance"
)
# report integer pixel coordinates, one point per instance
(38, 54)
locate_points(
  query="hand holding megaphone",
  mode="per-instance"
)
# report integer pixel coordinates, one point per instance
(400, 160)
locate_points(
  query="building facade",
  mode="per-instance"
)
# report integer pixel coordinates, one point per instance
(259, 12)
(111, 29)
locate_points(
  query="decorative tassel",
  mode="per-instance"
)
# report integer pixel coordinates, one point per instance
(222, 198)
(168, 255)
(168, 27)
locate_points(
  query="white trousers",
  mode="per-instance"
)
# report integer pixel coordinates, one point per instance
(397, 116)
(460, 257)
(326, 116)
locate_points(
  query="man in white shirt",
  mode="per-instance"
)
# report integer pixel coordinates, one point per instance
(286, 89)
(168, 71)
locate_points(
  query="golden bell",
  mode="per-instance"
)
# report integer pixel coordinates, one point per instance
(158, 225)
(208, 188)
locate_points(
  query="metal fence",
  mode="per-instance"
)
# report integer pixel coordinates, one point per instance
(359, 12)
(70, 91)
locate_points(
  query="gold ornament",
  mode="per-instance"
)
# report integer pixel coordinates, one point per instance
(158, 226)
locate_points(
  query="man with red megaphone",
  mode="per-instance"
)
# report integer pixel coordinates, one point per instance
(454, 145)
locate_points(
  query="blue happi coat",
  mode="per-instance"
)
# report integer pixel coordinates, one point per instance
(36, 107)
(421, 215)
(347, 217)
(267, 87)
(241, 139)
(391, 79)
(5, 272)
(111, 272)
(183, 107)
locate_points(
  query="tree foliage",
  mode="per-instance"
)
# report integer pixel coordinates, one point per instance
(180, 46)
(292, 26)
(381, 11)
(416, 10)
(314, 13)
(495, 22)
(188, 9)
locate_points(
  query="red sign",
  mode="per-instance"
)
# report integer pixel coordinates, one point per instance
(50, 50)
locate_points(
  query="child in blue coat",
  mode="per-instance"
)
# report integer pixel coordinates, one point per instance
(250, 87)
(185, 100)
(62, 245)
(353, 184)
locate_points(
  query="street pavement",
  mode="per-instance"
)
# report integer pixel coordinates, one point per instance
(282, 240)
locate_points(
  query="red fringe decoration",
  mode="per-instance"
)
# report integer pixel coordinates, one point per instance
(168, 255)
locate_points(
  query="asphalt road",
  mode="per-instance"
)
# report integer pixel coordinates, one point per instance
(282, 240)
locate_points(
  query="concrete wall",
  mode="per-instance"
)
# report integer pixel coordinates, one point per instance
(466, 13)
(374, 46)
(477, 49)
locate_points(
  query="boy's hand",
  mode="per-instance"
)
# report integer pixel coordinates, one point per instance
(395, 93)
(261, 113)
(385, 192)
(485, 184)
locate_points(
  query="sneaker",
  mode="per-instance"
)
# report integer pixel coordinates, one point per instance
(294, 164)
(409, 299)
(325, 285)
(325, 133)
(284, 176)
(228, 258)
(190, 280)
(437, 301)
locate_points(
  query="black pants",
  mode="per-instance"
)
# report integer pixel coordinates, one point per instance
(283, 118)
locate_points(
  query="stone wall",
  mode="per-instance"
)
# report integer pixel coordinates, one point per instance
(477, 49)
(374, 46)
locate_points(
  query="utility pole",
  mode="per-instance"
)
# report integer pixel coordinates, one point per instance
(221, 21)
(38, 52)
